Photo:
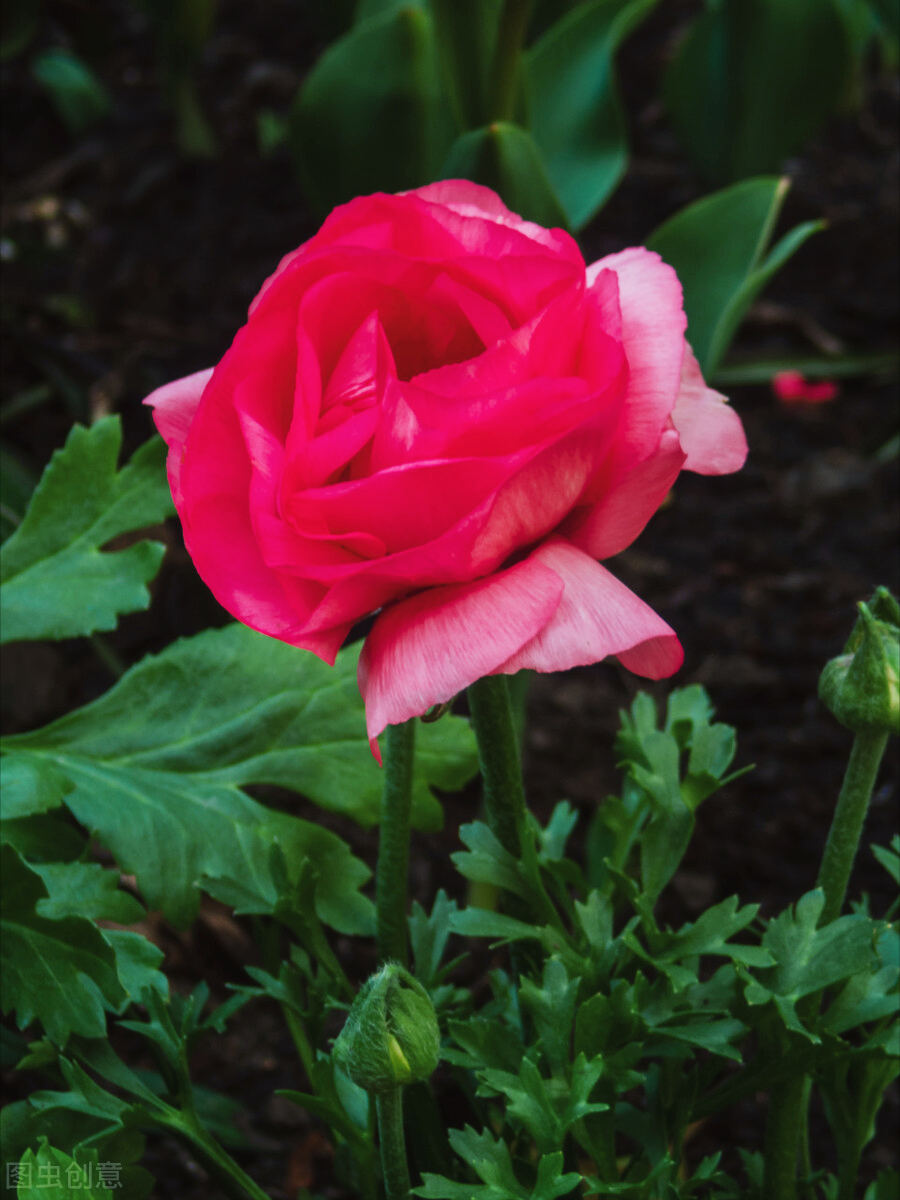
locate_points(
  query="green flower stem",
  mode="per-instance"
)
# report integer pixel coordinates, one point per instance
(392, 1144)
(504, 76)
(498, 755)
(786, 1121)
(847, 823)
(233, 1181)
(393, 843)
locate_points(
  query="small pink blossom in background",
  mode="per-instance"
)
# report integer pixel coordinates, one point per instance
(437, 413)
(790, 387)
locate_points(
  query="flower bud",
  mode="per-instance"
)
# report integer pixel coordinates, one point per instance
(860, 686)
(391, 1035)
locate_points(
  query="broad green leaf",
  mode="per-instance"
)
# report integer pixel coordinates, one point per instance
(60, 972)
(718, 246)
(231, 707)
(506, 158)
(487, 861)
(576, 114)
(86, 890)
(45, 837)
(57, 581)
(75, 91)
(28, 787)
(371, 115)
(753, 80)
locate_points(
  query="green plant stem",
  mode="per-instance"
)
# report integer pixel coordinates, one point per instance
(788, 1103)
(393, 843)
(392, 1145)
(221, 1165)
(498, 755)
(504, 75)
(847, 823)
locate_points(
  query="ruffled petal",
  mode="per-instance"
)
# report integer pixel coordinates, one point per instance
(710, 431)
(597, 616)
(424, 650)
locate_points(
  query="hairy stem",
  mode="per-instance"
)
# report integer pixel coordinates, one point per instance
(393, 843)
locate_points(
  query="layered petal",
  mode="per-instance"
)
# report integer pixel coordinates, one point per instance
(174, 406)
(597, 616)
(424, 650)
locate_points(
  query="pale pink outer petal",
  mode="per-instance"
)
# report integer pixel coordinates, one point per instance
(710, 431)
(424, 650)
(653, 325)
(597, 616)
(174, 405)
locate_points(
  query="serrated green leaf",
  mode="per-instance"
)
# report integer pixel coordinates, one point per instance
(487, 861)
(428, 936)
(86, 890)
(552, 1008)
(156, 762)
(718, 247)
(61, 1177)
(711, 934)
(576, 114)
(890, 858)
(57, 581)
(63, 972)
(809, 959)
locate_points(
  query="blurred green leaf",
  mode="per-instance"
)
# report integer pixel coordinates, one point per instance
(57, 582)
(845, 366)
(576, 114)
(74, 90)
(371, 115)
(506, 158)
(466, 33)
(18, 25)
(719, 247)
(753, 79)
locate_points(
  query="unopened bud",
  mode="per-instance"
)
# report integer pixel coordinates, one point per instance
(391, 1035)
(860, 686)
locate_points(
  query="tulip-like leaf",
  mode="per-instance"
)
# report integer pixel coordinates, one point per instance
(57, 582)
(466, 34)
(506, 157)
(753, 79)
(576, 114)
(719, 247)
(372, 115)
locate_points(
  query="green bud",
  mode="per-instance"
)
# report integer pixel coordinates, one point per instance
(391, 1035)
(860, 686)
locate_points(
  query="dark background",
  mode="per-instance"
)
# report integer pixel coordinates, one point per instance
(126, 266)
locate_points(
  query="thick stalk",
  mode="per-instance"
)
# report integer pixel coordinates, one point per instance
(498, 755)
(392, 1144)
(393, 843)
(847, 823)
(788, 1104)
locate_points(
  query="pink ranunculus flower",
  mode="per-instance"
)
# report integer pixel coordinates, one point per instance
(437, 413)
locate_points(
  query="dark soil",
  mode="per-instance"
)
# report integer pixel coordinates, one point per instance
(133, 266)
